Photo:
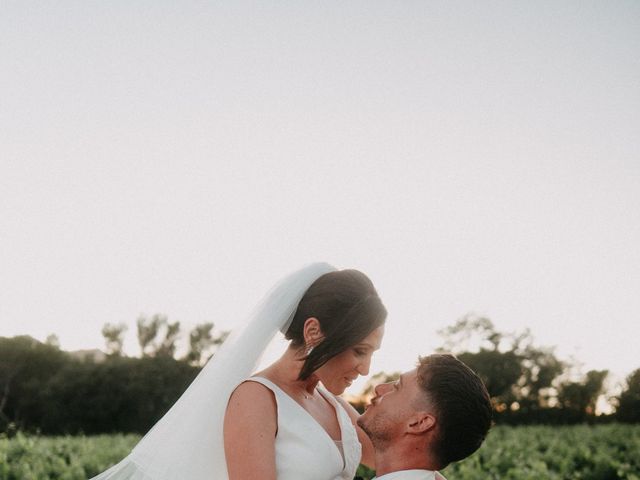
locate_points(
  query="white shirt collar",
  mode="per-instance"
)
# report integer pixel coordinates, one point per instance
(408, 475)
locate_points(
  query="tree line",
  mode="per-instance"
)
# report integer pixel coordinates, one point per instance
(45, 389)
(157, 337)
(527, 383)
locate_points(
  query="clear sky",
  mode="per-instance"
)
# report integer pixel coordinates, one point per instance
(179, 157)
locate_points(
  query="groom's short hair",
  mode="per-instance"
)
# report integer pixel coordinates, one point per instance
(461, 404)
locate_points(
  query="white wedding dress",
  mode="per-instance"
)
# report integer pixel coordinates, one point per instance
(187, 443)
(304, 450)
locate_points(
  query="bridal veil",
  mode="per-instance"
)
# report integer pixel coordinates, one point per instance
(187, 443)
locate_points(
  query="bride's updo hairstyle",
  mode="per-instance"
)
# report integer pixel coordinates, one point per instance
(348, 308)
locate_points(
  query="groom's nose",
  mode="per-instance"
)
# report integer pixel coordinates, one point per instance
(382, 388)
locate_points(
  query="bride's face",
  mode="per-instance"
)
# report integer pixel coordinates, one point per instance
(339, 372)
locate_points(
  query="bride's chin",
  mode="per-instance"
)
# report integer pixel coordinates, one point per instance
(336, 388)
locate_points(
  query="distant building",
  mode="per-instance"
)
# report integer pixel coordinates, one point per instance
(92, 355)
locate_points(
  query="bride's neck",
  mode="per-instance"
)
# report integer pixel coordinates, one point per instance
(287, 368)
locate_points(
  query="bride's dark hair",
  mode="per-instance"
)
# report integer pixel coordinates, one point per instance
(348, 308)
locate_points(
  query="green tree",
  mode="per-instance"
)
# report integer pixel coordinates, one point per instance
(517, 374)
(469, 333)
(580, 397)
(122, 394)
(202, 341)
(157, 337)
(499, 371)
(475, 340)
(114, 337)
(541, 368)
(629, 400)
(148, 329)
(45, 389)
(25, 367)
(167, 346)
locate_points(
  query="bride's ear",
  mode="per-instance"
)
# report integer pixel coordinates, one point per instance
(421, 422)
(312, 332)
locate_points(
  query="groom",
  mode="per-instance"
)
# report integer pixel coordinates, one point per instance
(436, 414)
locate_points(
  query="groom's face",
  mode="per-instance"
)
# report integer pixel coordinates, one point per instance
(391, 408)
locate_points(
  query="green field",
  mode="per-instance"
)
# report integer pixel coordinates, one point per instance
(604, 452)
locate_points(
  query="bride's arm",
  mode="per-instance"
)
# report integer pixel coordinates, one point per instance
(250, 425)
(368, 452)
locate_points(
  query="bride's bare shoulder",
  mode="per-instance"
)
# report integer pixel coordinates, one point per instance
(251, 396)
(250, 425)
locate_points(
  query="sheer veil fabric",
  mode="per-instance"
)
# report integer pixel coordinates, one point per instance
(187, 443)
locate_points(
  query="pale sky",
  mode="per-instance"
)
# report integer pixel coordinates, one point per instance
(180, 157)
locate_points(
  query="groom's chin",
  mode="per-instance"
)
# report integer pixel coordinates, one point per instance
(362, 423)
(362, 419)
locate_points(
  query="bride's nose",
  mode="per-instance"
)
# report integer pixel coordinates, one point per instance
(363, 367)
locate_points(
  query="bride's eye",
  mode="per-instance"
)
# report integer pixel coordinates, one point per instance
(360, 352)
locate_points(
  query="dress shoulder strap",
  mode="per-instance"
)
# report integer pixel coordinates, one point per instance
(278, 393)
(267, 383)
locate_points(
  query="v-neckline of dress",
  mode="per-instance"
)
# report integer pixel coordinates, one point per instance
(332, 403)
(352, 449)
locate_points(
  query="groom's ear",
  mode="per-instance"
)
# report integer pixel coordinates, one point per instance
(312, 331)
(421, 422)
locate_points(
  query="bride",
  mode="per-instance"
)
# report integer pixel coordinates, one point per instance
(285, 422)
